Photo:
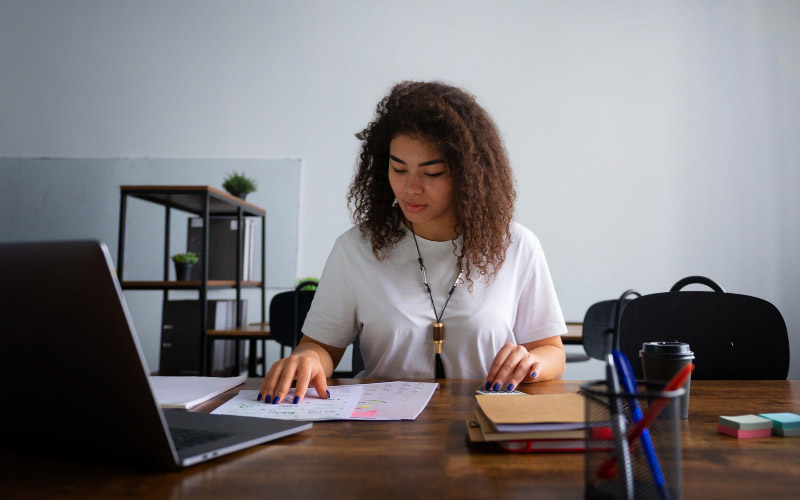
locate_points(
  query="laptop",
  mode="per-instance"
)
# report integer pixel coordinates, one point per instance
(73, 377)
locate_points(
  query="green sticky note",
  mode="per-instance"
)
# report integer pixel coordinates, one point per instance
(786, 421)
(786, 432)
(746, 422)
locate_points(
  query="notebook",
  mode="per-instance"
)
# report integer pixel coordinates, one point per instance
(73, 377)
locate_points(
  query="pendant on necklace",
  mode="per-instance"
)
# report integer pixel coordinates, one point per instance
(438, 336)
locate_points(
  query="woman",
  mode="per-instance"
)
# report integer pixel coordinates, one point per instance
(434, 244)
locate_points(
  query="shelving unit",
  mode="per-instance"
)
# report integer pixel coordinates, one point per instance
(203, 201)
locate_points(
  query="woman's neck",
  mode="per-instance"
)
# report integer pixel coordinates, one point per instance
(433, 232)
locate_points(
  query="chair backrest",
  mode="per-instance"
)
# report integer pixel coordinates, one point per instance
(282, 321)
(287, 313)
(732, 336)
(600, 325)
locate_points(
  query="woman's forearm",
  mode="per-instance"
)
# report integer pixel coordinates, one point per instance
(552, 362)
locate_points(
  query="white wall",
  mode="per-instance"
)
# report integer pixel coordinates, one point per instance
(651, 140)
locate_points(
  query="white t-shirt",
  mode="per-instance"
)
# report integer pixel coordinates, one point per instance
(386, 302)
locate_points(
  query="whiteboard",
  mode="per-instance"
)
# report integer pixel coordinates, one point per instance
(67, 198)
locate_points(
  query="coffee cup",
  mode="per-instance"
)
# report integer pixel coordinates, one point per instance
(662, 360)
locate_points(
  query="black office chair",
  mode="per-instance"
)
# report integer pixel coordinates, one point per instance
(357, 363)
(287, 313)
(733, 337)
(601, 324)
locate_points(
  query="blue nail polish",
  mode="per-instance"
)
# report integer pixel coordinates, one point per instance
(510, 387)
(258, 398)
(267, 399)
(488, 386)
(276, 400)
(329, 392)
(296, 400)
(495, 386)
(534, 374)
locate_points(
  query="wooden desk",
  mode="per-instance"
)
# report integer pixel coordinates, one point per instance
(431, 458)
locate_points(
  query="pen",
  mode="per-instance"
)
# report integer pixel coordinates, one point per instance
(618, 425)
(628, 382)
(676, 382)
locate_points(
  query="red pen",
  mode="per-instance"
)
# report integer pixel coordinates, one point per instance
(607, 471)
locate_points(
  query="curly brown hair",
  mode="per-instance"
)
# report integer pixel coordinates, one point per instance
(449, 119)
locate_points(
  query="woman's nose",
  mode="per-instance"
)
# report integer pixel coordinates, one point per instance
(413, 184)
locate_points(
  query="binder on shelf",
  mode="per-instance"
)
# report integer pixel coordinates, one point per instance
(181, 341)
(222, 236)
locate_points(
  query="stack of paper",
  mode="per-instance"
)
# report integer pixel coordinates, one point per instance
(545, 422)
(187, 392)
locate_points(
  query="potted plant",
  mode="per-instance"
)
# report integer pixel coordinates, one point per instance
(308, 286)
(183, 265)
(239, 185)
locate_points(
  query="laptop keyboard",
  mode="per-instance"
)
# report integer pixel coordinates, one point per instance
(186, 438)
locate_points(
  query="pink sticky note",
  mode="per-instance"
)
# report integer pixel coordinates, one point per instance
(742, 434)
(364, 414)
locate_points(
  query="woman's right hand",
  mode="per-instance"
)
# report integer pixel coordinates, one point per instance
(303, 365)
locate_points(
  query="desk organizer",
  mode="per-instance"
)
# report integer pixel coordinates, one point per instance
(605, 478)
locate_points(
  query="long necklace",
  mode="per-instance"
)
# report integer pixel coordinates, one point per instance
(438, 325)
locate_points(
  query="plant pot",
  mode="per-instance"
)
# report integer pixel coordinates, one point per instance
(183, 271)
(239, 195)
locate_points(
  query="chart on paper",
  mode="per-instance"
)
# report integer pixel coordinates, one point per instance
(393, 400)
(381, 401)
(339, 406)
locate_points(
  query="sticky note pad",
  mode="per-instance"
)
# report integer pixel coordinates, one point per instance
(744, 434)
(786, 432)
(785, 421)
(746, 422)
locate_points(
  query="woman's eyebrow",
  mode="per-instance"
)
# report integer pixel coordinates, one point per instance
(423, 164)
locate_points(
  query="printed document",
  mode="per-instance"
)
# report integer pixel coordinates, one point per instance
(381, 401)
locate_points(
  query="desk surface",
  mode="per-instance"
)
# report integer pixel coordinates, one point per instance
(432, 458)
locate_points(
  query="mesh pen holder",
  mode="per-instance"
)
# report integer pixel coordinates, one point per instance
(605, 471)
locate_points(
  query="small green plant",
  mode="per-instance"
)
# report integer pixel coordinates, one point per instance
(185, 258)
(308, 287)
(239, 185)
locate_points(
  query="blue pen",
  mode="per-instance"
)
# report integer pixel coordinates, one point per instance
(628, 382)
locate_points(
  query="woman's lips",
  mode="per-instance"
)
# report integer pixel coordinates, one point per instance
(413, 207)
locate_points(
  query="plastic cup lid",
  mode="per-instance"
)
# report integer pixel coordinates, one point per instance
(672, 348)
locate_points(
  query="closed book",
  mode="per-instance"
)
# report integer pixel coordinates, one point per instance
(543, 445)
(221, 247)
(248, 271)
(540, 412)
(490, 433)
(544, 441)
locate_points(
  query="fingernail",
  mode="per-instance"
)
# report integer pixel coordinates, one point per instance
(296, 400)
(258, 398)
(267, 399)
(275, 401)
(510, 387)
(329, 392)
(488, 386)
(534, 374)
(495, 386)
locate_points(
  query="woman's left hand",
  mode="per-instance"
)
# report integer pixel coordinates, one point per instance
(513, 365)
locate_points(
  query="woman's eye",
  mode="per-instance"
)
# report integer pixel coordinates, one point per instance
(437, 174)
(398, 170)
